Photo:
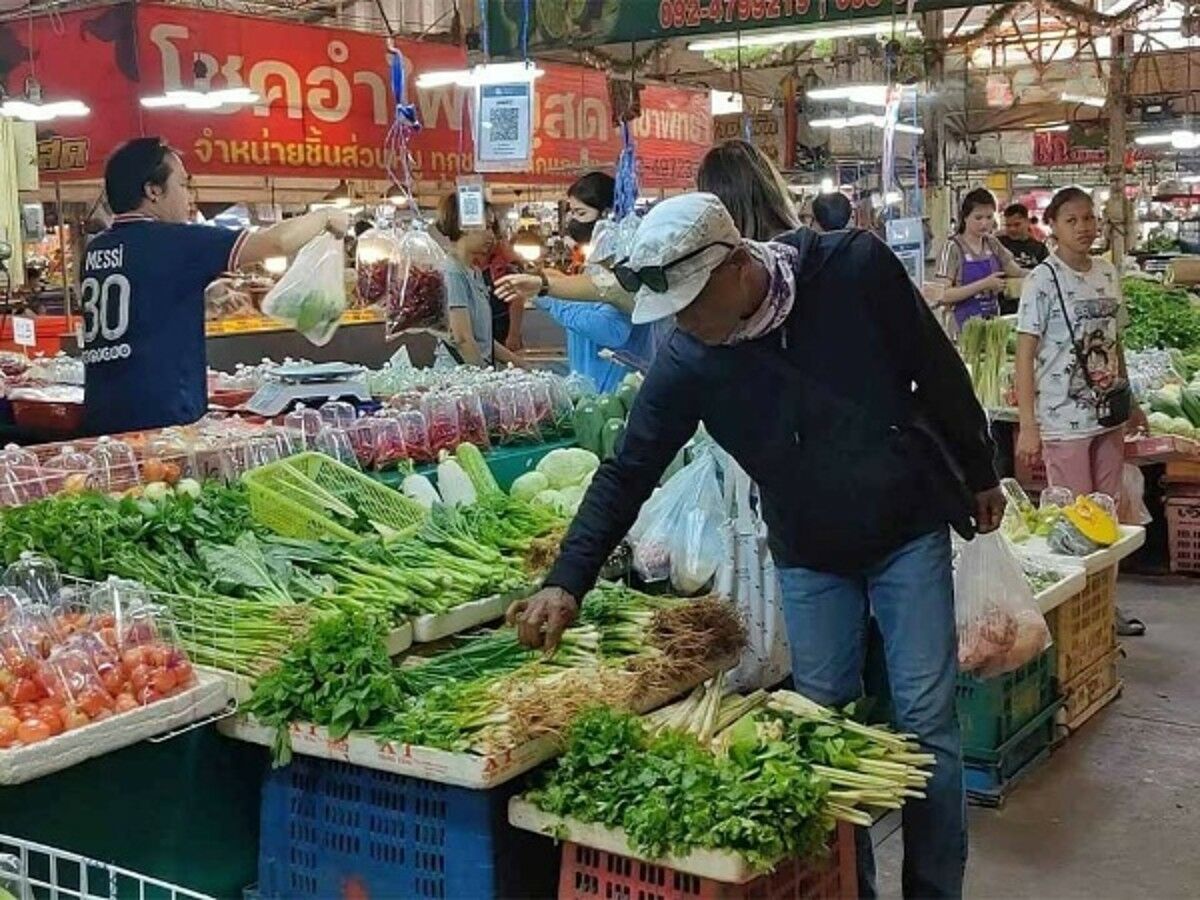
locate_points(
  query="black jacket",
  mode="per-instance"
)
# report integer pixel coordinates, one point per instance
(811, 411)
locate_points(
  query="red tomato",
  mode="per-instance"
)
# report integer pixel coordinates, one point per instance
(163, 681)
(8, 712)
(93, 701)
(155, 656)
(8, 731)
(31, 731)
(49, 715)
(113, 680)
(184, 676)
(140, 677)
(148, 695)
(25, 690)
(126, 702)
(73, 718)
(102, 715)
(108, 634)
(27, 711)
(132, 658)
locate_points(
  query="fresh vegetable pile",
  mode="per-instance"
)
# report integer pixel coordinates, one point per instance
(82, 658)
(241, 594)
(1160, 316)
(600, 420)
(490, 694)
(559, 481)
(763, 776)
(1175, 409)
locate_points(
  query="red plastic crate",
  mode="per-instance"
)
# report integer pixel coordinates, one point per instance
(590, 874)
(1183, 534)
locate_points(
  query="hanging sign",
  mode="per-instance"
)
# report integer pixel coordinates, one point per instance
(504, 127)
(471, 202)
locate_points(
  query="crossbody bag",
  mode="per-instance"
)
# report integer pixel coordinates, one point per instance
(1113, 404)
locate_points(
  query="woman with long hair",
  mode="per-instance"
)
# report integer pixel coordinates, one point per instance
(974, 263)
(750, 187)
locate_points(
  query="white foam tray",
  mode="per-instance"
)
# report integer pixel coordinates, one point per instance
(434, 627)
(469, 770)
(400, 639)
(1062, 591)
(1132, 538)
(717, 865)
(70, 748)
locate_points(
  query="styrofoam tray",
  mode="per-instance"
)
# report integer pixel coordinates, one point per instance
(73, 747)
(469, 770)
(400, 639)
(717, 865)
(434, 627)
(1062, 591)
(1132, 537)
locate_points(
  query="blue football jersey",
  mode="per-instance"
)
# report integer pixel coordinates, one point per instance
(142, 294)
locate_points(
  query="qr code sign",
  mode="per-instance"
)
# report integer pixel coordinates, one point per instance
(503, 122)
(470, 206)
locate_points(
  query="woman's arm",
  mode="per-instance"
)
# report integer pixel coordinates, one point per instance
(505, 355)
(600, 324)
(1008, 262)
(516, 316)
(463, 337)
(583, 288)
(1029, 440)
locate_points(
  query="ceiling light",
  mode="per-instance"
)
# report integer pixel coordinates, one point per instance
(865, 119)
(527, 244)
(893, 197)
(1180, 140)
(1190, 179)
(826, 185)
(1025, 176)
(43, 112)
(1085, 100)
(201, 100)
(806, 35)
(489, 73)
(1046, 129)
(866, 94)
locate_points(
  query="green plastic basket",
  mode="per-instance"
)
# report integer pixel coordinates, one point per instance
(992, 710)
(279, 503)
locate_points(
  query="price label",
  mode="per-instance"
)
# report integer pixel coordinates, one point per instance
(24, 331)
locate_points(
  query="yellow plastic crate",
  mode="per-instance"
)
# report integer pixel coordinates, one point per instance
(1084, 628)
(279, 502)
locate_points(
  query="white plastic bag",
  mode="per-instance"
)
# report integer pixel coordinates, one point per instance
(696, 551)
(1132, 509)
(692, 488)
(1000, 627)
(311, 295)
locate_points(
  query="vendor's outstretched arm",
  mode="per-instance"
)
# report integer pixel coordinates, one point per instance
(285, 238)
(599, 323)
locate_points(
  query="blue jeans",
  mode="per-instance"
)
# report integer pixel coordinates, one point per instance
(911, 595)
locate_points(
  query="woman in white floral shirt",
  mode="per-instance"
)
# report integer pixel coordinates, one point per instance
(1056, 394)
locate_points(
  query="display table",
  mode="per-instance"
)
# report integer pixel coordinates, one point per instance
(1132, 537)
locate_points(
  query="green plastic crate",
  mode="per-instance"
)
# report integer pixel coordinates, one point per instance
(992, 775)
(277, 502)
(992, 710)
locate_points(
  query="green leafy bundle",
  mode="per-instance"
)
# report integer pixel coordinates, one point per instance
(1160, 316)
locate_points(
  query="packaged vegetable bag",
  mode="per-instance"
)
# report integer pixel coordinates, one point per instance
(663, 526)
(311, 295)
(1000, 627)
(420, 302)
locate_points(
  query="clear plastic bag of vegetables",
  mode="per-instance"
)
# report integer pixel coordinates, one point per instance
(1000, 627)
(419, 303)
(311, 295)
(518, 414)
(656, 532)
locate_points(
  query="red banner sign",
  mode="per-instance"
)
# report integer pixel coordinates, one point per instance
(325, 100)
(1057, 149)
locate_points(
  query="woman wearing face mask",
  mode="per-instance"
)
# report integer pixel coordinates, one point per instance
(974, 262)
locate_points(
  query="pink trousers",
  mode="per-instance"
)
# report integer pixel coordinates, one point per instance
(1087, 465)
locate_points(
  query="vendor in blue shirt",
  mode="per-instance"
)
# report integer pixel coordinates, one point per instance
(142, 290)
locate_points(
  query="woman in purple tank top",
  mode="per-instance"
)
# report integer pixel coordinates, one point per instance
(974, 263)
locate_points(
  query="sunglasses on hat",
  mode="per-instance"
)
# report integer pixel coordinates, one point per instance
(655, 277)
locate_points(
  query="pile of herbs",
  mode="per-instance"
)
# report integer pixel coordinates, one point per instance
(672, 795)
(1160, 316)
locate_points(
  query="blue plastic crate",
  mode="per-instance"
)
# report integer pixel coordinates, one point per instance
(991, 776)
(333, 830)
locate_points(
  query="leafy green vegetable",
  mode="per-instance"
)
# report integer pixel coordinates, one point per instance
(1160, 316)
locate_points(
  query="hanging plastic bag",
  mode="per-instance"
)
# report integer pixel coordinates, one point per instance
(377, 265)
(311, 295)
(1132, 506)
(697, 548)
(1000, 627)
(693, 488)
(420, 302)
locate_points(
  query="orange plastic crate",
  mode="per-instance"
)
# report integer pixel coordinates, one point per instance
(1084, 628)
(590, 874)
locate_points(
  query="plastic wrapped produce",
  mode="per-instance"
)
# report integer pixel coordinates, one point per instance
(387, 442)
(420, 302)
(415, 433)
(441, 417)
(311, 295)
(472, 422)
(306, 423)
(377, 265)
(1000, 627)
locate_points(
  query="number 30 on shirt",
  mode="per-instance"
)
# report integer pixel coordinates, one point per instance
(105, 307)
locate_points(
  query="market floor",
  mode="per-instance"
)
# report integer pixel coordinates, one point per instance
(1115, 811)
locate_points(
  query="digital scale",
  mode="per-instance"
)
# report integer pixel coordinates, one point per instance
(305, 383)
